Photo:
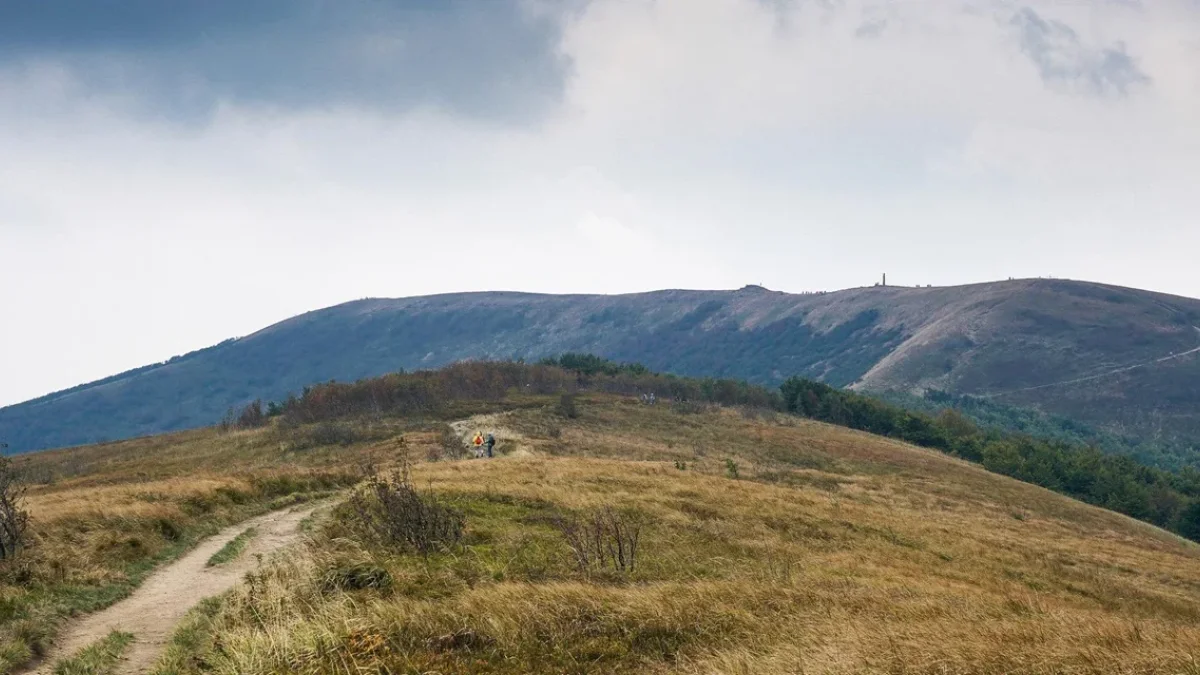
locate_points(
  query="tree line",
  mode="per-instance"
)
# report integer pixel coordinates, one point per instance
(1169, 499)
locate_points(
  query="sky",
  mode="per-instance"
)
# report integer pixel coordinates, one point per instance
(174, 174)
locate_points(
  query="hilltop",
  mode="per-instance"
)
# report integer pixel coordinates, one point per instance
(1116, 358)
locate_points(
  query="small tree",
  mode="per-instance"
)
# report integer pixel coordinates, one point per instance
(14, 519)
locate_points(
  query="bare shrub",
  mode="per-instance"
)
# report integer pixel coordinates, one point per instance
(252, 416)
(391, 510)
(14, 519)
(602, 539)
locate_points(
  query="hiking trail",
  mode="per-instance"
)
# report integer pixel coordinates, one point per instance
(510, 442)
(152, 612)
(1089, 378)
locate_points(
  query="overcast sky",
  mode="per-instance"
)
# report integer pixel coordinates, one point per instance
(176, 173)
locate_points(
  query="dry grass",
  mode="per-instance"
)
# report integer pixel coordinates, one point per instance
(104, 516)
(836, 552)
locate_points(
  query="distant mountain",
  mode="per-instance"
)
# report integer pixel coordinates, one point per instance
(1119, 359)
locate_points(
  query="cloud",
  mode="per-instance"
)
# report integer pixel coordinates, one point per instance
(492, 60)
(1063, 60)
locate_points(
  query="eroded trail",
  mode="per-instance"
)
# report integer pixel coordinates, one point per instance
(152, 612)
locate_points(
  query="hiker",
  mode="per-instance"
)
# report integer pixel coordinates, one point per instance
(478, 443)
(491, 443)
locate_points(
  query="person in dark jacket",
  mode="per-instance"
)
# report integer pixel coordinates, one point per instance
(491, 442)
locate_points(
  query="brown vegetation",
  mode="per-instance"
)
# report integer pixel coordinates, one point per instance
(836, 552)
(14, 519)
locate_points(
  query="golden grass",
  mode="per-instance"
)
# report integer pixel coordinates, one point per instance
(837, 552)
(103, 516)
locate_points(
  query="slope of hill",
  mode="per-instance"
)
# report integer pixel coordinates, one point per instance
(1087, 351)
(768, 544)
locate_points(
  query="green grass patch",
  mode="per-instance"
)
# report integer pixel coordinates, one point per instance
(233, 549)
(98, 658)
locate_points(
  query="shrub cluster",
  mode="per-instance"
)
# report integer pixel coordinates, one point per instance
(397, 515)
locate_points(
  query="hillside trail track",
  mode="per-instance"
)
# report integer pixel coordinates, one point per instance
(1107, 373)
(509, 442)
(153, 611)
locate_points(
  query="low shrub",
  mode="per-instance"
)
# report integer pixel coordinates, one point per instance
(602, 539)
(392, 511)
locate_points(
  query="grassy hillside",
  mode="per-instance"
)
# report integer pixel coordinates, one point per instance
(831, 552)
(769, 544)
(996, 339)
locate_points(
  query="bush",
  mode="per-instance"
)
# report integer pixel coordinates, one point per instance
(392, 511)
(602, 539)
(731, 469)
(251, 417)
(14, 519)
(329, 433)
(451, 445)
(332, 433)
(567, 407)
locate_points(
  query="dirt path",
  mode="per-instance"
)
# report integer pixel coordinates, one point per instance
(509, 442)
(156, 607)
(1107, 373)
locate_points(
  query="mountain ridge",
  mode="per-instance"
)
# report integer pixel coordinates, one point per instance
(977, 339)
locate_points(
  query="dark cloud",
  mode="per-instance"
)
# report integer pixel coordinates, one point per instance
(1062, 58)
(491, 59)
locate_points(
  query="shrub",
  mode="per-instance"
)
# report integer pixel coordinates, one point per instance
(731, 469)
(252, 416)
(14, 519)
(451, 445)
(602, 539)
(397, 515)
(567, 407)
(332, 433)
(328, 433)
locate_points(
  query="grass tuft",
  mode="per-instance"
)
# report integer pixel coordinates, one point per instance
(99, 658)
(230, 551)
